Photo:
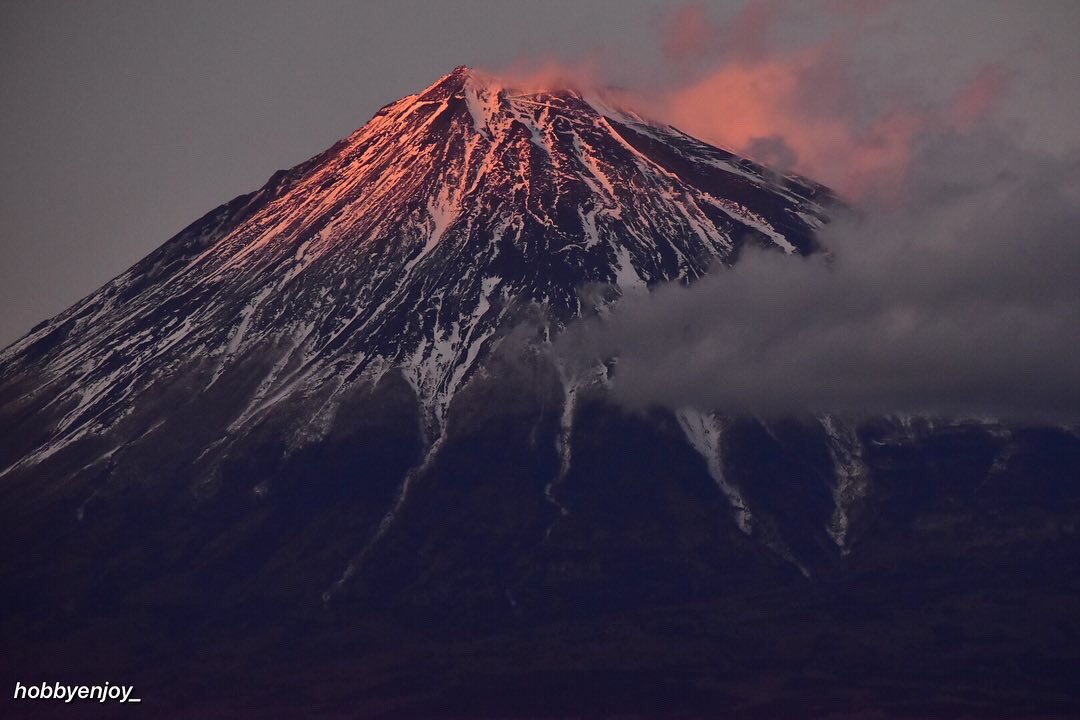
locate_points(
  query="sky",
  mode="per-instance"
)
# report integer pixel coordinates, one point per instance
(123, 122)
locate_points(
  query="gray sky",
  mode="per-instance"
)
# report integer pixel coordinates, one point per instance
(124, 121)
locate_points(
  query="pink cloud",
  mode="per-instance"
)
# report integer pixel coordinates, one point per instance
(979, 97)
(543, 74)
(691, 34)
(688, 32)
(796, 108)
(803, 104)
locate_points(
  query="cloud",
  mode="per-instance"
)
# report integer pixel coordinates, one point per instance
(755, 92)
(976, 100)
(962, 301)
(690, 34)
(838, 91)
(774, 151)
(541, 74)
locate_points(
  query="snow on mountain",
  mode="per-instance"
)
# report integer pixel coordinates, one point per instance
(408, 245)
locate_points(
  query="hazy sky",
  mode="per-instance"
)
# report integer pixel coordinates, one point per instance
(124, 121)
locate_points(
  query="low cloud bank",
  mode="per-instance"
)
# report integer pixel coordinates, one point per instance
(962, 299)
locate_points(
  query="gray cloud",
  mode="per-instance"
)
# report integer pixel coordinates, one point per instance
(774, 151)
(963, 300)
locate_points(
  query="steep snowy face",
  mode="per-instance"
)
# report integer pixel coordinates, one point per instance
(407, 245)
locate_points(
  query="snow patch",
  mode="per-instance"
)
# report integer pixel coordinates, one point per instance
(704, 431)
(852, 477)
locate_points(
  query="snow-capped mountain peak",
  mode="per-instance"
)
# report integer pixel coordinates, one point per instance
(406, 245)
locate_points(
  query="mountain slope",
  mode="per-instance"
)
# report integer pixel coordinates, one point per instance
(407, 243)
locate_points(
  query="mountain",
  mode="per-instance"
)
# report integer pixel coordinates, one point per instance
(314, 446)
(407, 244)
